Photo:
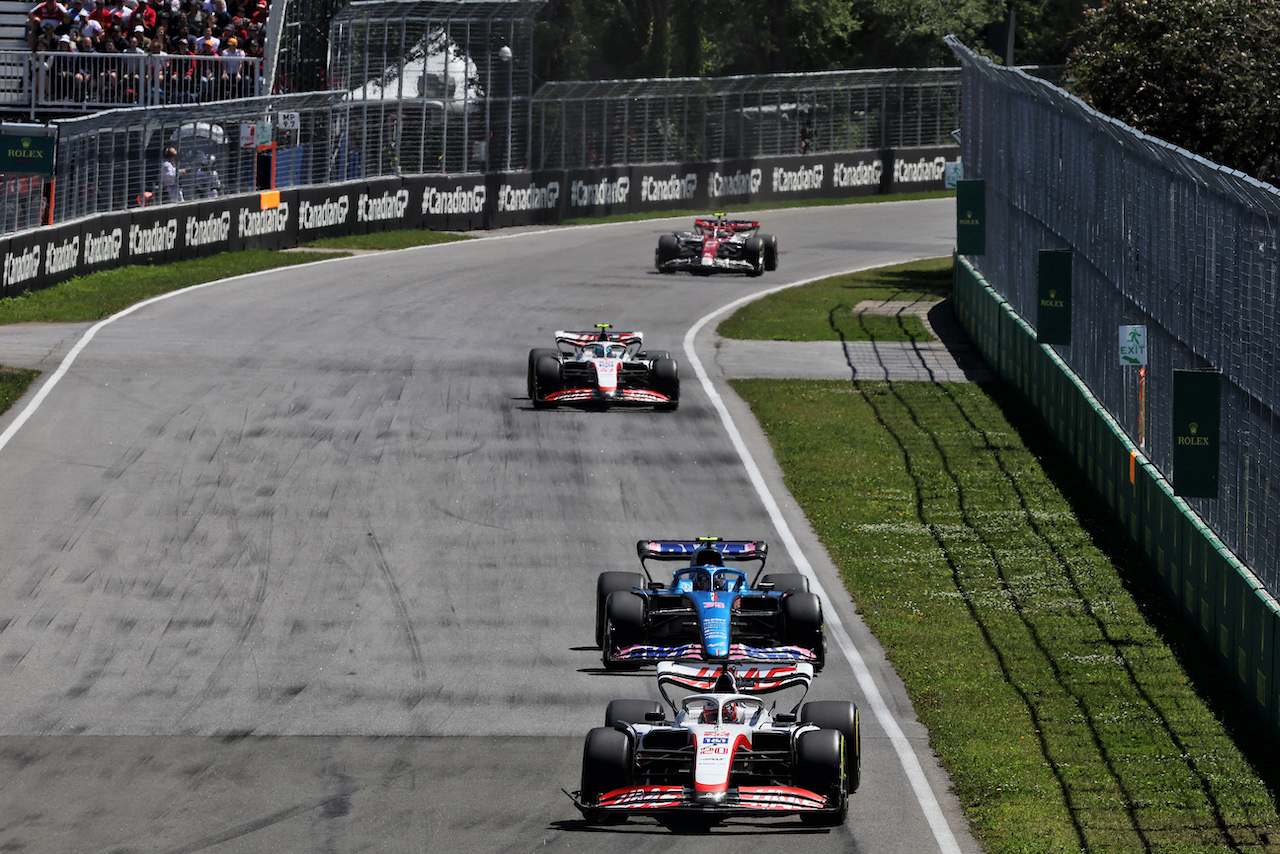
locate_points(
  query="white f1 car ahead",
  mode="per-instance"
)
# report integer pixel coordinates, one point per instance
(725, 752)
(602, 367)
(718, 245)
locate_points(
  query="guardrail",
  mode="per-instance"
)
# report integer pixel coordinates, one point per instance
(69, 81)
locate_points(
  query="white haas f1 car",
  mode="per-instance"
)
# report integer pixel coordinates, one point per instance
(718, 245)
(602, 367)
(725, 752)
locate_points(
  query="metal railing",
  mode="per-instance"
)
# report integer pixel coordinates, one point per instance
(68, 81)
(1161, 238)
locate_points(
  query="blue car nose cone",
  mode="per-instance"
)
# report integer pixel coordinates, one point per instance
(713, 614)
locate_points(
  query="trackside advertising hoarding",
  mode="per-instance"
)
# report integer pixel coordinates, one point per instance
(290, 217)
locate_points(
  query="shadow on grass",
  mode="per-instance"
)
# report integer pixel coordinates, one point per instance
(1214, 687)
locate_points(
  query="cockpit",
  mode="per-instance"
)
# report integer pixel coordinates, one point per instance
(605, 350)
(710, 578)
(709, 709)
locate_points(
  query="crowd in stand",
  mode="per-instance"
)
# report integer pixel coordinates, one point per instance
(150, 51)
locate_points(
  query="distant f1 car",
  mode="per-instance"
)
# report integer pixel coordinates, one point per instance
(602, 367)
(718, 245)
(724, 753)
(707, 612)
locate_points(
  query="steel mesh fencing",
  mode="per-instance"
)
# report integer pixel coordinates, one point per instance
(621, 122)
(1160, 238)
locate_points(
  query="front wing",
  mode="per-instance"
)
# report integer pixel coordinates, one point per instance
(718, 265)
(638, 396)
(694, 652)
(743, 800)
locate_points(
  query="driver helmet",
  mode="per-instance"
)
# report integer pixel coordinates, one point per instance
(702, 581)
(600, 351)
(728, 715)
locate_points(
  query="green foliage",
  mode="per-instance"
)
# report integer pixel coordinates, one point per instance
(615, 39)
(1198, 73)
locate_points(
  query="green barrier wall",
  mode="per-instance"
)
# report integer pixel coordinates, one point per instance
(1212, 591)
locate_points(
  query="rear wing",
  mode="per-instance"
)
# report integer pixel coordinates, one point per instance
(731, 224)
(579, 339)
(744, 678)
(687, 550)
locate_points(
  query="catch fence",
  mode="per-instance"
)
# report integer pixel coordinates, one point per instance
(1160, 238)
(621, 122)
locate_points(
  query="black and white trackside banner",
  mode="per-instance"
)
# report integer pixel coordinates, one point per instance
(286, 218)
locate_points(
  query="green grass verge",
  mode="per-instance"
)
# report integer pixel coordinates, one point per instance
(823, 311)
(403, 239)
(100, 295)
(769, 206)
(13, 384)
(1029, 638)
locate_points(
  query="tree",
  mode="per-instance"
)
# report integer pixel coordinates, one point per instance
(1200, 74)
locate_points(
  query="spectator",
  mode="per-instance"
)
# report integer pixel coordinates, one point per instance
(140, 36)
(145, 15)
(210, 71)
(208, 184)
(232, 83)
(131, 79)
(109, 72)
(156, 72)
(47, 16)
(169, 174)
(85, 71)
(89, 26)
(62, 72)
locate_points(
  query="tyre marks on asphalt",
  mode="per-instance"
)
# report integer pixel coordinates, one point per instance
(419, 689)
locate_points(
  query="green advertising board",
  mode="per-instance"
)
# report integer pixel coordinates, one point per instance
(1197, 401)
(27, 149)
(971, 217)
(1053, 308)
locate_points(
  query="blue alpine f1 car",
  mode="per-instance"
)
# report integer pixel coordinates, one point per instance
(708, 611)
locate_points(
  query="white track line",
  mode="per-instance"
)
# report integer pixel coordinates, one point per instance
(835, 627)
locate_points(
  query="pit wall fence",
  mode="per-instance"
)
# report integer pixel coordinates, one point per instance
(282, 219)
(1210, 588)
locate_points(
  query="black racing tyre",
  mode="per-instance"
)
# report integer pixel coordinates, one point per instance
(630, 711)
(653, 355)
(665, 377)
(840, 715)
(802, 624)
(753, 253)
(534, 355)
(784, 581)
(770, 251)
(624, 626)
(606, 765)
(546, 379)
(612, 582)
(668, 250)
(820, 768)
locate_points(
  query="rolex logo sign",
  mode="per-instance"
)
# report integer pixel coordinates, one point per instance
(27, 149)
(1197, 432)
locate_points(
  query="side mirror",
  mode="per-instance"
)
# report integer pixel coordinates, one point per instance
(784, 718)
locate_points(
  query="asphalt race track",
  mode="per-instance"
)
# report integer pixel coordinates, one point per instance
(292, 565)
